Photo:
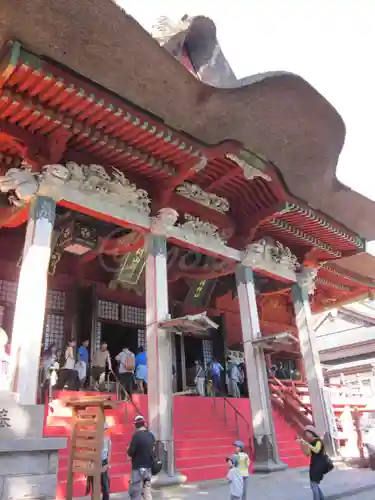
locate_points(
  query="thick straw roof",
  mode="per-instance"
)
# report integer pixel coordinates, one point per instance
(279, 116)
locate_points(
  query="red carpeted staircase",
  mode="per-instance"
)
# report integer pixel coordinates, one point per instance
(204, 430)
(203, 439)
(289, 450)
(120, 428)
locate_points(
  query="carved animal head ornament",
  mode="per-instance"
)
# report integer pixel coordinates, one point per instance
(22, 181)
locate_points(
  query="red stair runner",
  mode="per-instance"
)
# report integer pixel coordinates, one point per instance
(204, 431)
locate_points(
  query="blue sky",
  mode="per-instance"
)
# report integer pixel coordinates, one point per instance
(330, 43)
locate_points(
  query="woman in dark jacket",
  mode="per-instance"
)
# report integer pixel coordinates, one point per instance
(320, 464)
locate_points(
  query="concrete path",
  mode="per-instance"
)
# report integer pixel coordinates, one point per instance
(287, 485)
(358, 484)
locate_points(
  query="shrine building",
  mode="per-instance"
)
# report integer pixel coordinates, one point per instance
(151, 198)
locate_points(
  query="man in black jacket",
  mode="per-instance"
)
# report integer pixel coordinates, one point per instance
(141, 451)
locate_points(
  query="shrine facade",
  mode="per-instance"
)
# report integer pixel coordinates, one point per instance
(115, 211)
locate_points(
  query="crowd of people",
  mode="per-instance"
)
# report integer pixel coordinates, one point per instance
(215, 380)
(146, 463)
(73, 370)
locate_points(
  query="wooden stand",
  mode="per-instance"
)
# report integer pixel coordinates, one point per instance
(86, 440)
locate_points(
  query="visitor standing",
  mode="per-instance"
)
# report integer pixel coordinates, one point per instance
(142, 453)
(216, 370)
(235, 380)
(104, 476)
(243, 465)
(48, 362)
(126, 361)
(209, 390)
(83, 362)
(320, 464)
(200, 378)
(141, 370)
(68, 376)
(101, 361)
(234, 479)
(228, 375)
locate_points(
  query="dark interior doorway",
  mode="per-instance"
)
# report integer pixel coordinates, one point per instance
(193, 352)
(178, 363)
(117, 337)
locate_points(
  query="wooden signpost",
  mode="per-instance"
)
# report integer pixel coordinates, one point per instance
(86, 440)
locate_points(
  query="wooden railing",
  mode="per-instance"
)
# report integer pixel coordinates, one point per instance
(289, 404)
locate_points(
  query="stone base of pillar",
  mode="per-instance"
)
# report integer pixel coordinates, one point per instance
(28, 462)
(264, 463)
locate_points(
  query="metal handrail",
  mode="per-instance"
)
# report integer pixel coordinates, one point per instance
(108, 381)
(120, 389)
(168, 445)
(237, 415)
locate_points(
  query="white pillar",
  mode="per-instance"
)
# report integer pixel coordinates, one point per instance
(310, 355)
(159, 346)
(265, 446)
(31, 300)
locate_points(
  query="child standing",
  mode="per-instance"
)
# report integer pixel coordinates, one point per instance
(106, 453)
(243, 465)
(234, 478)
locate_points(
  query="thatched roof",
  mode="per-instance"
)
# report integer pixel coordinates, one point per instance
(279, 116)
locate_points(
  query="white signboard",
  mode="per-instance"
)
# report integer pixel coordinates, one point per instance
(332, 424)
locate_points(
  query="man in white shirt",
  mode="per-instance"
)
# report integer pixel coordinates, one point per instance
(102, 360)
(126, 366)
(68, 376)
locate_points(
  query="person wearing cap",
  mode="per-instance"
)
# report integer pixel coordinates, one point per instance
(320, 464)
(243, 465)
(104, 477)
(141, 451)
(126, 367)
(234, 479)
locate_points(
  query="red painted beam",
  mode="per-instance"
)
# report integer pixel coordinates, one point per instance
(114, 247)
(13, 217)
(204, 273)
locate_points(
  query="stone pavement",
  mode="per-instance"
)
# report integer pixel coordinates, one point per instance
(287, 485)
(292, 484)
